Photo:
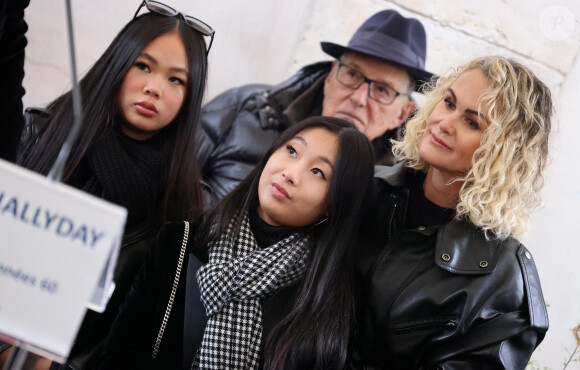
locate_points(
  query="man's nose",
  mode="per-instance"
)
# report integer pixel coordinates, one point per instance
(360, 95)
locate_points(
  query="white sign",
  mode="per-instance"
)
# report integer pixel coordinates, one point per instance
(55, 245)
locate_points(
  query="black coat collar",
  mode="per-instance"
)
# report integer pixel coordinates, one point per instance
(461, 247)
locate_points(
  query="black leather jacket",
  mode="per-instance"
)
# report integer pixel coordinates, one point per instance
(444, 297)
(238, 126)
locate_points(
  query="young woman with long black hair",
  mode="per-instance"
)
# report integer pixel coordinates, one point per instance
(275, 276)
(136, 148)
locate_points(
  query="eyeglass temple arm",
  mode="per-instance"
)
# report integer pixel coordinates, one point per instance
(210, 43)
(138, 9)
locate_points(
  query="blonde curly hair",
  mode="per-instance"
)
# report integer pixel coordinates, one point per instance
(502, 187)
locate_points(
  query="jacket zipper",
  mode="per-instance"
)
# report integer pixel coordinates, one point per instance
(448, 323)
(390, 224)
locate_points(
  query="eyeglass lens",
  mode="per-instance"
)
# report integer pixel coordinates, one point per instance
(160, 8)
(198, 25)
(353, 79)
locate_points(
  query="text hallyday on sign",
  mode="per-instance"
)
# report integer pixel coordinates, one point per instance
(60, 225)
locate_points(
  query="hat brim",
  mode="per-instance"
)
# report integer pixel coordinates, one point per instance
(421, 76)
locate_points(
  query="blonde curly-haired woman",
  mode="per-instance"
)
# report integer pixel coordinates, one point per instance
(446, 283)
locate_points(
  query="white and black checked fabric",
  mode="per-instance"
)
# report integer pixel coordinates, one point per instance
(237, 276)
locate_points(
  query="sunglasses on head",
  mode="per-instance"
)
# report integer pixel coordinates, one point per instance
(163, 9)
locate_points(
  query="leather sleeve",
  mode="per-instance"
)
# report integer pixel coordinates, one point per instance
(505, 343)
(445, 314)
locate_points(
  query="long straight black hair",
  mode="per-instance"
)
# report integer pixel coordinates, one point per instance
(99, 92)
(317, 332)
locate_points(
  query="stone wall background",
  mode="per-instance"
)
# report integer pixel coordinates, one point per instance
(265, 41)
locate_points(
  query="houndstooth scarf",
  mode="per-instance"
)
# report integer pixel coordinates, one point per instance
(237, 276)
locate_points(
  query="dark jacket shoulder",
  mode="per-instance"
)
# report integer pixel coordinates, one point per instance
(35, 119)
(239, 125)
(445, 295)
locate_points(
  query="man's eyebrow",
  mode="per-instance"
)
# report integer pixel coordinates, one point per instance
(152, 60)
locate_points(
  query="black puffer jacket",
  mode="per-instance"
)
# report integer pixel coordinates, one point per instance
(238, 126)
(444, 297)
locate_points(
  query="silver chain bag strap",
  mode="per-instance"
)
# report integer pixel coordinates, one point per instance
(173, 291)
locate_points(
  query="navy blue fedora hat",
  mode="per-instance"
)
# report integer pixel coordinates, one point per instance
(390, 36)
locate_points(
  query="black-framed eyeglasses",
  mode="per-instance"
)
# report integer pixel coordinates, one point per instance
(353, 79)
(163, 9)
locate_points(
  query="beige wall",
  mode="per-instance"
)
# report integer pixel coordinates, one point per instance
(266, 41)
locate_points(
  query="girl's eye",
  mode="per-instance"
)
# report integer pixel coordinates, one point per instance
(142, 66)
(177, 81)
(318, 172)
(291, 150)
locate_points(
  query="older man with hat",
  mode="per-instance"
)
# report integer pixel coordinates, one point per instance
(369, 84)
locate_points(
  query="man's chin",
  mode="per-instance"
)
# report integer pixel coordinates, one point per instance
(352, 120)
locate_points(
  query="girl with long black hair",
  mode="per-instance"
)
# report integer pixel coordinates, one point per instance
(264, 279)
(141, 103)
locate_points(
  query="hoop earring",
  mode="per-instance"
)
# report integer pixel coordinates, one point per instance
(320, 222)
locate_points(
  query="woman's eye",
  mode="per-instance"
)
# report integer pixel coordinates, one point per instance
(473, 124)
(177, 81)
(448, 103)
(142, 66)
(318, 172)
(291, 150)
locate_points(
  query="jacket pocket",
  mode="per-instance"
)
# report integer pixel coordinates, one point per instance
(425, 324)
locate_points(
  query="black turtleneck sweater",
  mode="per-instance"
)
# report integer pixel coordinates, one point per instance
(420, 210)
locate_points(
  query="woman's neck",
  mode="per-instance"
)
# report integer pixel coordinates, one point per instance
(267, 234)
(440, 189)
